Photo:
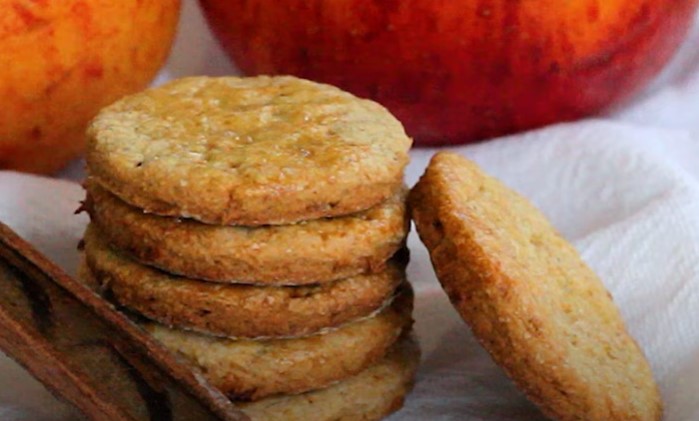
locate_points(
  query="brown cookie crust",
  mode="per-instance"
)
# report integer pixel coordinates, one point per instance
(315, 251)
(254, 369)
(368, 396)
(538, 309)
(247, 151)
(241, 311)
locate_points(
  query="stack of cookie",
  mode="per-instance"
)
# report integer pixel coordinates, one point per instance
(257, 227)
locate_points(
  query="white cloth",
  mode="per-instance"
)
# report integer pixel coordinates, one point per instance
(624, 188)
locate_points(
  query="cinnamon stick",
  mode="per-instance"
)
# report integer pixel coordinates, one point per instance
(87, 353)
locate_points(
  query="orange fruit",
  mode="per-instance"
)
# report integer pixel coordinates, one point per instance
(61, 61)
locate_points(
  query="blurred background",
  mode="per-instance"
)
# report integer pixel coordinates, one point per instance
(453, 72)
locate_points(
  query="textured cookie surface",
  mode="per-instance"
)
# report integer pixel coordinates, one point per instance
(236, 310)
(370, 395)
(533, 303)
(307, 252)
(247, 151)
(253, 369)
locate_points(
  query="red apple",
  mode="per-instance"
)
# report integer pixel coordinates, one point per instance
(458, 71)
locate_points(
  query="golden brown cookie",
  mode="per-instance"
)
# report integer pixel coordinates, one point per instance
(533, 303)
(236, 310)
(370, 395)
(248, 151)
(307, 252)
(254, 369)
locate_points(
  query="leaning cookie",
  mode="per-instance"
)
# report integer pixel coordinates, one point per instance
(241, 311)
(368, 396)
(254, 369)
(308, 252)
(530, 299)
(247, 151)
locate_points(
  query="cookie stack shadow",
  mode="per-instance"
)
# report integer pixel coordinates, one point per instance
(286, 317)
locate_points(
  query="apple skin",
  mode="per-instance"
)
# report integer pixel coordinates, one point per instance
(63, 60)
(457, 71)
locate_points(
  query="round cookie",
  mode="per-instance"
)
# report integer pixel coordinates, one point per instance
(247, 151)
(243, 311)
(532, 302)
(254, 369)
(307, 252)
(368, 396)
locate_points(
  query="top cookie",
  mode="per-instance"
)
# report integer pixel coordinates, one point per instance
(532, 302)
(247, 151)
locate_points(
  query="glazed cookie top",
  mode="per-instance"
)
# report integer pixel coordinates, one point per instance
(529, 297)
(248, 151)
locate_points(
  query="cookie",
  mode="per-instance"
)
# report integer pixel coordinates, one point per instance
(370, 395)
(253, 369)
(236, 310)
(308, 252)
(529, 298)
(247, 151)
